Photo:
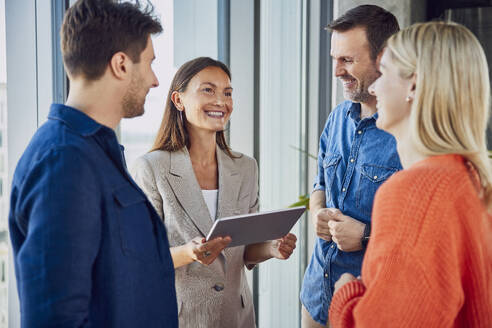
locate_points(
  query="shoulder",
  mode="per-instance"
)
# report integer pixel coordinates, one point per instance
(341, 110)
(155, 160)
(442, 172)
(243, 161)
(431, 186)
(339, 113)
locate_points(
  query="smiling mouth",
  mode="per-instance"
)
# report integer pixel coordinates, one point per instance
(348, 83)
(215, 114)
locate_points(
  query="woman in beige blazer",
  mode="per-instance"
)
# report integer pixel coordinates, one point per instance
(192, 178)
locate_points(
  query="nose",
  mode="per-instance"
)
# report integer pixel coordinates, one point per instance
(220, 100)
(371, 88)
(155, 81)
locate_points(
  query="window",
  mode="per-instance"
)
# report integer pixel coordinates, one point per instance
(137, 134)
(280, 162)
(4, 238)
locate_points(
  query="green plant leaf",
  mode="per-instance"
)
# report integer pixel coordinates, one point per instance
(303, 201)
(304, 152)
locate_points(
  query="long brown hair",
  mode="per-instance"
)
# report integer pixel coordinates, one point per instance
(172, 134)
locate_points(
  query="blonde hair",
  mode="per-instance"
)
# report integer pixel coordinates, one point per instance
(450, 111)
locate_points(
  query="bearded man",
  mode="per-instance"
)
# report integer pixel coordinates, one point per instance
(354, 159)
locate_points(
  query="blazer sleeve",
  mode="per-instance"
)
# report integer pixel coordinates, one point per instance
(144, 176)
(254, 200)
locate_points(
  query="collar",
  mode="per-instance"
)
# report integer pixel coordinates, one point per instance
(353, 109)
(75, 119)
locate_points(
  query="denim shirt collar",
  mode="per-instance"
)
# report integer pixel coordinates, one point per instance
(353, 109)
(75, 119)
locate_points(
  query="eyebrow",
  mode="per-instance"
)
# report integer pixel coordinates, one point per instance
(339, 57)
(210, 83)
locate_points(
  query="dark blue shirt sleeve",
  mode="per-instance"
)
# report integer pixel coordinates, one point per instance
(58, 213)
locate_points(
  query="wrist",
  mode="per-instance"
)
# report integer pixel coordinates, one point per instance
(365, 235)
(188, 250)
(273, 248)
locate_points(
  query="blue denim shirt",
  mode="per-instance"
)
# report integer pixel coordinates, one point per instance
(89, 248)
(355, 158)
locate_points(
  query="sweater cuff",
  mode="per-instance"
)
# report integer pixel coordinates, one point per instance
(343, 296)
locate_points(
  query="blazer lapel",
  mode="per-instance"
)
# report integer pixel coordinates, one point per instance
(229, 184)
(182, 179)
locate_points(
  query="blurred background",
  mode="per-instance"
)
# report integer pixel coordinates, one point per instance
(279, 55)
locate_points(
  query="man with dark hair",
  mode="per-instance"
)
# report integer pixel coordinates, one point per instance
(89, 248)
(354, 159)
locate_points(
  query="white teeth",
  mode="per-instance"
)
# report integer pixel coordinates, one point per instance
(215, 114)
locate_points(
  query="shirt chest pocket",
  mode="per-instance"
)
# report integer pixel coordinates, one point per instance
(371, 178)
(136, 226)
(330, 164)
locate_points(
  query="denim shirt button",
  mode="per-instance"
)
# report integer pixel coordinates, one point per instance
(359, 132)
(326, 275)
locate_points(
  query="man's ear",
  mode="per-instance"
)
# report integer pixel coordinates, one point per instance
(378, 58)
(120, 65)
(177, 101)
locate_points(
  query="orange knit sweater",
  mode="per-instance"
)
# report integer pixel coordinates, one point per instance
(429, 259)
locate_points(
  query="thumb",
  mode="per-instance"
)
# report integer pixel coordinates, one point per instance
(334, 212)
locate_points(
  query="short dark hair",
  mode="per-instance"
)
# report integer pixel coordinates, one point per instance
(94, 30)
(172, 134)
(378, 23)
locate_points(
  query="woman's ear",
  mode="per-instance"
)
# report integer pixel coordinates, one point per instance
(177, 101)
(120, 65)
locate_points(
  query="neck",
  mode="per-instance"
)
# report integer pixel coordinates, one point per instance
(368, 108)
(407, 151)
(202, 146)
(97, 100)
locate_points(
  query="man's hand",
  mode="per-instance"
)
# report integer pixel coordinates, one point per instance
(320, 221)
(345, 231)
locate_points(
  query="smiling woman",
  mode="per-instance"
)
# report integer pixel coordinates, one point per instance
(192, 178)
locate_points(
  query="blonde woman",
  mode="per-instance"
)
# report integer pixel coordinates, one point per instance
(429, 260)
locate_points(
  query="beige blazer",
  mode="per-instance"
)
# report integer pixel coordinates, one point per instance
(217, 295)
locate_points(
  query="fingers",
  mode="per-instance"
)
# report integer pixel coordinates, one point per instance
(324, 236)
(321, 223)
(334, 228)
(207, 252)
(324, 214)
(286, 251)
(322, 219)
(286, 245)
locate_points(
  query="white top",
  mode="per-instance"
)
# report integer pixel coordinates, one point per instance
(210, 197)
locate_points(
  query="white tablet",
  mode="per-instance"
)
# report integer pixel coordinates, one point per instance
(256, 227)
